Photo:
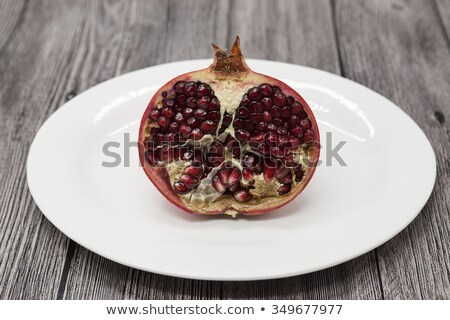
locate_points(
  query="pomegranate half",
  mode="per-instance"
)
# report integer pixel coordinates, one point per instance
(227, 140)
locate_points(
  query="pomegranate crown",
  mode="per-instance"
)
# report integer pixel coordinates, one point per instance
(229, 64)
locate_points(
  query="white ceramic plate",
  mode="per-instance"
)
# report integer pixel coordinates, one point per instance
(344, 212)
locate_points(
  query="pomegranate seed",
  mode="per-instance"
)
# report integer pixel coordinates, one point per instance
(179, 117)
(293, 121)
(190, 89)
(282, 130)
(191, 102)
(261, 126)
(271, 138)
(255, 106)
(185, 130)
(168, 103)
(154, 114)
(192, 122)
(214, 116)
(282, 172)
(179, 87)
(264, 148)
(297, 131)
(249, 126)
(289, 161)
(285, 112)
(187, 112)
(238, 123)
(267, 117)
(271, 127)
(266, 90)
(282, 139)
(293, 142)
(234, 187)
(214, 105)
(203, 102)
(277, 122)
(243, 195)
(279, 99)
(302, 115)
(305, 124)
(256, 117)
(258, 137)
(278, 152)
(189, 182)
(285, 188)
(308, 136)
(224, 175)
(276, 89)
(296, 108)
(216, 148)
(167, 112)
(200, 114)
(287, 179)
(163, 122)
(203, 90)
(169, 137)
(299, 173)
(245, 100)
(242, 135)
(218, 185)
(242, 112)
(254, 94)
(181, 100)
(207, 126)
(235, 176)
(275, 112)
(247, 174)
(196, 134)
(290, 100)
(267, 103)
(194, 171)
(180, 188)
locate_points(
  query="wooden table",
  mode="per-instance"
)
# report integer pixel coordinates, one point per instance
(51, 51)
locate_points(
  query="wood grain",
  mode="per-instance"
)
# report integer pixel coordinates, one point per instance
(50, 51)
(398, 49)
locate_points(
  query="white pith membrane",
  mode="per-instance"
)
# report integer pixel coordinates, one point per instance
(204, 198)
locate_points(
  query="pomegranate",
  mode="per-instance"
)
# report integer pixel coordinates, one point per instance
(227, 140)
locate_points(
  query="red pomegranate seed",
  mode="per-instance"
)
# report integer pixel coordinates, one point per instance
(200, 114)
(185, 130)
(275, 112)
(305, 124)
(254, 94)
(286, 112)
(247, 174)
(167, 112)
(169, 137)
(281, 172)
(297, 131)
(299, 173)
(267, 103)
(287, 179)
(245, 100)
(179, 87)
(242, 135)
(296, 108)
(308, 136)
(187, 112)
(179, 117)
(180, 188)
(256, 117)
(279, 99)
(216, 148)
(271, 127)
(284, 189)
(168, 103)
(271, 138)
(203, 102)
(192, 122)
(190, 89)
(283, 139)
(214, 116)
(218, 185)
(293, 121)
(191, 102)
(290, 100)
(238, 123)
(279, 152)
(207, 126)
(235, 176)
(196, 134)
(261, 126)
(282, 130)
(224, 175)
(242, 112)
(277, 122)
(293, 142)
(154, 114)
(163, 122)
(194, 171)
(266, 90)
(257, 137)
(267, 117)
(214, 105)
(203, 90)
(181, 100)
(255, 106)
(243, 195)
(264, 148)
(189, 182)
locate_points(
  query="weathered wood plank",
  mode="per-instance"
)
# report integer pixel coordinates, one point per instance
(398, 49)
(443, 17)
(33, 66)
(11, 14)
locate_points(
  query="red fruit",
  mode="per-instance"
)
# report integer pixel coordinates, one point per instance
(245, 155)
